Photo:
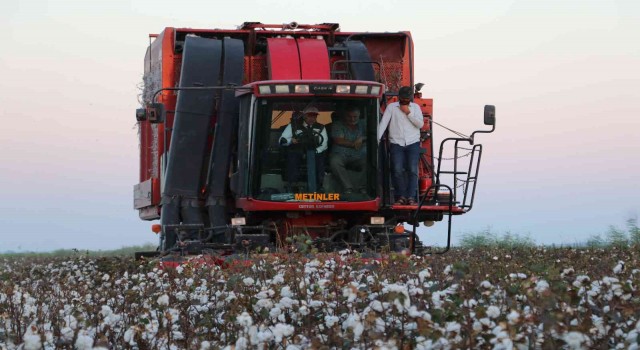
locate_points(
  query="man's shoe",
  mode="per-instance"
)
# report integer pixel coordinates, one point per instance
(401, 201)
(411, 201)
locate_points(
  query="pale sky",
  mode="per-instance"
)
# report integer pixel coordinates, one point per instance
(562, 165)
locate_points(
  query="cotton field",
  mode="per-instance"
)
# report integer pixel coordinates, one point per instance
(480, 298)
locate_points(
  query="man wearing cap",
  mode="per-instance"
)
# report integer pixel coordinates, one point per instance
(301, 136)
(404, 121)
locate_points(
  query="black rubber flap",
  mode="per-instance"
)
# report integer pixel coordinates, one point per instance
(225, 132)
(358, 52)
(200, 67)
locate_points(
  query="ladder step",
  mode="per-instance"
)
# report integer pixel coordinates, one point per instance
(453, 172)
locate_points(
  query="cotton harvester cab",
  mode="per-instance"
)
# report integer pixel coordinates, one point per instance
(213, 167)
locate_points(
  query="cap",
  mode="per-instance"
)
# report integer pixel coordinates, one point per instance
(312, 110)
(405, 92)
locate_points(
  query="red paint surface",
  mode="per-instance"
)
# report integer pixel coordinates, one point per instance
(283, 58)
(250, 204)
(314, 59)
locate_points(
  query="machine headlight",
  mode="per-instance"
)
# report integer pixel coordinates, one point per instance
(361, 89)
(264, 89)
(301, 89)
(282, 89)
(241, 221)
(377, 220)
(343, 89)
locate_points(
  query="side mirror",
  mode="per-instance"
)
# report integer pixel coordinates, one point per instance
(155, 113)
(141, 114)
(489, 115)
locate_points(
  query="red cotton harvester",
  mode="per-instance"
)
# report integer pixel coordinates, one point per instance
(215, 166)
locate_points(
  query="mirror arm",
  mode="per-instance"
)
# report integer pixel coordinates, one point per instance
(493, 127)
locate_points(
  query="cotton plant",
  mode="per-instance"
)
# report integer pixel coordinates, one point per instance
(468, 298)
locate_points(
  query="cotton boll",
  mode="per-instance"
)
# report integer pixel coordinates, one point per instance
(493, 311)
(619, 268)
(66, 334)
(486, 285)
(242, 343)
(163, 300)
(330, 321)
(513, 317)
(282, 330)
(32, 340)
(84, 341)
(576, 340)
(244, 320)
(542, 286)
(286, 292)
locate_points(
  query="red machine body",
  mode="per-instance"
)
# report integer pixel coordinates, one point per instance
(277, 63)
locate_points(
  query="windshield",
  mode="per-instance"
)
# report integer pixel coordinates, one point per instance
(315, 149)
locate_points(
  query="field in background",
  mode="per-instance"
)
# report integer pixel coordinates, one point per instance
(480, 297)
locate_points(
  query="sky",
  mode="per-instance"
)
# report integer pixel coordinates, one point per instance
(561, 166)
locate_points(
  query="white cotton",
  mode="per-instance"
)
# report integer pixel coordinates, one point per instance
(32, 340)
(486, 285)
(493, 311)
(106, 311)
(275, 312)
(453, 327)
(129, 336)
(277, 279)
(470, 303)
(205, 345)
(353, 322)
(66, 334)
(376, 305)
(105, 277)
(513, 317)
(71, 321)
(448, 269)
(575, 340)
(248, 281)
(282, 330)
(349, 293)
(244, 320)
(316, 304)
(163, 300)
(304, 310)
(542, 286)
(84, 341)
(242, 343)
(288, 303)
(264, 335)
(181, 296)
(422, 275)
(330, 321)
(619, 267)
(437, 299)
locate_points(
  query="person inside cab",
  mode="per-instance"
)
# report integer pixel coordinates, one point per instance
(348, 152)
(305, 138)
